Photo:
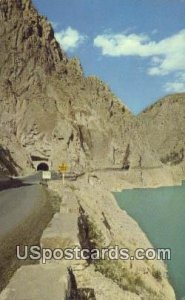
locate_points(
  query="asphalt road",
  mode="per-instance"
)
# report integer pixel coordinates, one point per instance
(18, 204)
(37, 177)
(24, 213)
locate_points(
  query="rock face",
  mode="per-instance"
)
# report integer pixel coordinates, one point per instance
(47, 104)
(49, 109)
(164, 125)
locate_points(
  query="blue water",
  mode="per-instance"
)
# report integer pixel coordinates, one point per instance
(161, 214)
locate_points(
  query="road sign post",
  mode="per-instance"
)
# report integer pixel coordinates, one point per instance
(63, 176)
(63, 168)
(46, 175)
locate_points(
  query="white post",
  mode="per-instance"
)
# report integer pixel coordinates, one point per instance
(63, 178)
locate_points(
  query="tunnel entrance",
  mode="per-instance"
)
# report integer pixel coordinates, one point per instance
(43, 167)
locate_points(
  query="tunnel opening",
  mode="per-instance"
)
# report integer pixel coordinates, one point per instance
(43, 167)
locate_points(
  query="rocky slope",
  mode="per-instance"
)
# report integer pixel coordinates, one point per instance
(46, 102)
(101, 228)
(51, 110)
(163, 124)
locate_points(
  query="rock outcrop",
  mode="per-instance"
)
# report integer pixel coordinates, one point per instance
(51, 110)
(46, 103)
(163, 124)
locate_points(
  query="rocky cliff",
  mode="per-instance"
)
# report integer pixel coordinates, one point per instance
(163, 124)
(51, 110)
(46, 103)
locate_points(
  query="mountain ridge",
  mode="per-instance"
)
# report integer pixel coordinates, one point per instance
(87, 125)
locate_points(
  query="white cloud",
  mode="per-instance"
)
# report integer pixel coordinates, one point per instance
(176, 86)
(69, 39)
(167, 55)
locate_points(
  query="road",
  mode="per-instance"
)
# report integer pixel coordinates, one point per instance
(7, 182)
(16, 205)
(24, 213)
(37, 177)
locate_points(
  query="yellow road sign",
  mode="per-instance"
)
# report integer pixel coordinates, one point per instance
(63, 167)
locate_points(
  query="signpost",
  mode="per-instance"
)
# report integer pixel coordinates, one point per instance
(63, 168)
(46, 175)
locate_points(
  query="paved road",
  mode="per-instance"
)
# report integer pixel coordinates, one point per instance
(37, 177)
(7, 183)
(18, 204)
(24, 213)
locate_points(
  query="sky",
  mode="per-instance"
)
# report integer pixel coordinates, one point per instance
(136, 46)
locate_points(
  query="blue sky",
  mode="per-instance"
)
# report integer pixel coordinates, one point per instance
(136, 46)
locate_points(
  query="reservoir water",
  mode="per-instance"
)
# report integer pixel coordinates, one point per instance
(160, 213)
